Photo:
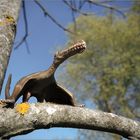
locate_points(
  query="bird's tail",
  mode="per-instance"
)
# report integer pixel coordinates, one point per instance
(7, 88)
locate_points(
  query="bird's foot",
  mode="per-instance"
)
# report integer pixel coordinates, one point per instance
(7, 102)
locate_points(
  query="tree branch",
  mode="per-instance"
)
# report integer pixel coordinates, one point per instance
(46, 13)
(106, 6)
(76, 9)
(24, 39)
(46, 115)
(9, 11)
(81, 4)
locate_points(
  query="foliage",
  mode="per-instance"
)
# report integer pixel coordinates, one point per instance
(109, 71)
(136, 7)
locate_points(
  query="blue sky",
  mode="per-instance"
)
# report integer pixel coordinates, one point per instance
(44, 37)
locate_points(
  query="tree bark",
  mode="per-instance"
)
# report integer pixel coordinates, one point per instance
(9, 11)
(46, 115)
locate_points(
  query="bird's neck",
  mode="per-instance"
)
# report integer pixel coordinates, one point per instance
(52, 69)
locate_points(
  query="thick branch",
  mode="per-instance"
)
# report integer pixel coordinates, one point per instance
(42, 115)
(9, 11)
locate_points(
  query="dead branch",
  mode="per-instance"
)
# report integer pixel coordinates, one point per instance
(81, 3)
(46, 13)
(46, 115)
(76, 9)
(107, 6)
(24, 39)
(106, 1)
(73, 15)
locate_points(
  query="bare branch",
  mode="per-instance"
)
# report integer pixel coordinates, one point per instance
(106, 1)
(46, 13)
(81, 3)
(106, 6)
(46, 115)
(73, 15)
(27, 46)
(24, 39)
(76, 9)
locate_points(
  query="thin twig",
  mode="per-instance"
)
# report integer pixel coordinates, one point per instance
(27, 46)
(73, 15)
(107, 6)
(81, 4)
(46, 13)
(106, 1)
(75, 9)
(24, 39)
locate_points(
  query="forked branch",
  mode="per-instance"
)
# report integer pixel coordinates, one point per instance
(73, 8)
(76, 9)
(46, 13)
(106, 6)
